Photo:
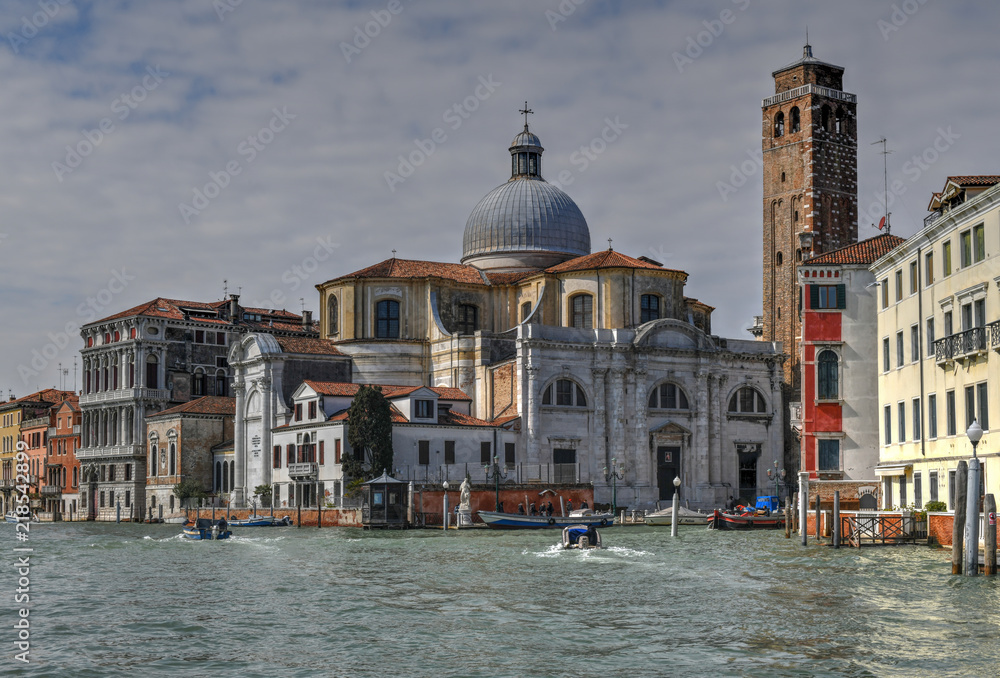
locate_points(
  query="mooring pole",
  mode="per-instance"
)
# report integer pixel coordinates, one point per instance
(803, 505)
(673, 516)
(958, 527)
(788, 518)
(990, 536)
(818, 532)
(836, 519)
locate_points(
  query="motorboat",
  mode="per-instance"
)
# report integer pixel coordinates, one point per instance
(261, 521)
(206, 529)
(685, 516)
(518, 521)
(581, 537)
(13, 517)
(748, 519)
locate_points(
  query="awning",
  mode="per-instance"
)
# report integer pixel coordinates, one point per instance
(898, 470)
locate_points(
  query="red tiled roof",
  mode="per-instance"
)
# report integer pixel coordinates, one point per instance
(695, 302)
(412, 268)
(395, 416)
(508, 277)
(975, 179)
(864, 252)
(606, 259)
(308, 345)
(346, 389)
(447, 418)
(173, 309)
(46, 395)
(204, 405)
(500, 421)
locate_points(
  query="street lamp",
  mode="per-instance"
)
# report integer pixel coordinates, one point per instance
(444, 516)
(775, 475)
(673, 513)
(975, 434)
(495, 473)
(614, 475)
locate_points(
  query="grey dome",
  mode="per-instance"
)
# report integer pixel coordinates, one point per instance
(526, 215)
(526, 138)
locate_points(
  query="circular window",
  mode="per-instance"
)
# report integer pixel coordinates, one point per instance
(152, 330)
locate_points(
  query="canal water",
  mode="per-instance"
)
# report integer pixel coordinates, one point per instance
(110, 600)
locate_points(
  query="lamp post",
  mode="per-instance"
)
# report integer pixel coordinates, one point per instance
(775, 475)
(975, 434)
(614, 475)
(444, 513)
(495, 473)
(673, 514)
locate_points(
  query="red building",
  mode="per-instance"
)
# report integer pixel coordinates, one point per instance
(61, 484)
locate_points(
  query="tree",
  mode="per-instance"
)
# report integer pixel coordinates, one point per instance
(264, 492)
(369, 422)
(189, 489)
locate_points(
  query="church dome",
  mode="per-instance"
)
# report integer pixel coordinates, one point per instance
(526, 222)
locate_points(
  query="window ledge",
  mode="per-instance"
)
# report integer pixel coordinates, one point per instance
(828, 401)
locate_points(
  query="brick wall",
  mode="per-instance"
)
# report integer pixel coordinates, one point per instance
(310, 517)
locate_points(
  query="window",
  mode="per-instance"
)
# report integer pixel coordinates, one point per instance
(930, 337)
(332, 321)
(932, 416)
(899, 348)
(950, 412)
(449, 452)
(468, 319)
(668, 397)
(916, 419)
(336, 451)
(508, 454)
(568, 394)
(312, 409)
(423, 452)
(220, 383)
(885, 294)
(887, 414)
(918, 491)
(128, 471)
(885, 354)
(778, 258)
(151, 372)
(914, 343)
(793, 120)
(199, 336)
(525, 310)
(779, 124)
(970, 405)
(650, 308)
(747, 400)
(978, 245)
(485, 453)
(827, 377)
(387, 319)
(899, 285)
(423, 409)
(965, 249)
(902, 491)
(983, 410)
(173, 459)
(825, 116)
(829, 455)
(198, 384)
(111, 473)
(932, 482)
(928, 269)
(913, 277)
(298, 411)
(948, 327)
(901, 408)
(290, 454)
(951, 491)
(841, 121)
(582, 306)
(946, 258)
(827, 296)
(276, 463)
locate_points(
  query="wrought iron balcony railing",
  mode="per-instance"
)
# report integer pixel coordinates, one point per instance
(969, 342)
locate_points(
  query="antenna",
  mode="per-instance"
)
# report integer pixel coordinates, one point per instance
(302, 303)
(885, 182)
(225, 288)
(74, 374)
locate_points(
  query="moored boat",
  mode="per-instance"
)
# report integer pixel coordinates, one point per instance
(206, 529)
(721, 520)
(12, 517)
(261, 521)
(685, 516)
(517, 521)
(581, 537)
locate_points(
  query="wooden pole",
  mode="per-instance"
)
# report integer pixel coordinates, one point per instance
(803, 505)
(818, 532)
(299, 521)
(958, 528)
(990, 536)
(788, 519)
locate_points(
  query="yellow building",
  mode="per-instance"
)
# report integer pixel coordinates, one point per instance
(12, 413)
(939, 353)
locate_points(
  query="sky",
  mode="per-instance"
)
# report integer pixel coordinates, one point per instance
(183, 148)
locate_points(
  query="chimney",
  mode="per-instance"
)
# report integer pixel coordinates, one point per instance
(234, 307)
(307, 319)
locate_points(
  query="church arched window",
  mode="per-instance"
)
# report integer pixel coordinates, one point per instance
(649, 308)
(332, 322)
(793, 119)
(778, 258)
(582, 309)
(668, 397)
(564, 393)
(387, 319)
(827, 378)
(779, 124)
(747, 400)
(198, 383)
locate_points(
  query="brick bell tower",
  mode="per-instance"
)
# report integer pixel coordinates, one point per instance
(810, 151)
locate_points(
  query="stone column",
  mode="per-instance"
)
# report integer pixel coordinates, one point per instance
(644, 474)
(599, 443)
(267, 419)
(239, 442)
(699, 448)
(531, 425)
(140, 366)
(726, 451)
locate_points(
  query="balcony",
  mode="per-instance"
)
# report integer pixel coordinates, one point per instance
(7, 483)
(51, 491)
(124, 394)
(109, 451)
(967, 344)
(302, 470)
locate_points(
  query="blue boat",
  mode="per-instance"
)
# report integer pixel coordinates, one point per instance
(516, 521)
(206, 528)
(261, 521)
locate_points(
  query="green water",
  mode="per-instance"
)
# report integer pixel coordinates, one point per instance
(109, 600)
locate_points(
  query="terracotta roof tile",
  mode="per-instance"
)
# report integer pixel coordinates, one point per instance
(340, 388)
(217, 405)
(412, 268)
(606, 259)
(173, 309)
(864, 252)
(975, 179)
(308, 345)
(508, 277)
(395, 416)
(47, 395)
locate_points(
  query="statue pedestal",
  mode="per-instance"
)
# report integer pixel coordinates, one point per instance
(464, 516)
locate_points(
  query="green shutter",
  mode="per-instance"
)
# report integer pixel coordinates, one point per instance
(841, 296)
(813, 297)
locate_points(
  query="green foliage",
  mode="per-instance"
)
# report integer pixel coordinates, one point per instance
(369, 422)
(935, 506)
(189, 489)
(354, 488)
(264, 492)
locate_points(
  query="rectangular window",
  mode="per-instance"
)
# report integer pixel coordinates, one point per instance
(128, 468)
(918, 491)
(128, 498)
(902, 491)
(978, 244)
(984, 408)
(932, 481)
(298, 411)
(899, 285)
(449, 452)
(970, 405)
(979, 314)
(967, 318)
(916, 419)
(930, 337)
(312, 409)
(913, 277)
(885, 354)
(336, 451)
(829, 455)
(290, 453)
(887, 484)
(508, 455)
(946, 258)
(485, 453)
(111, 498)
(199, 336)
(900, 357)
(111, 473)
(827, 296)
(276, 456)
(951, 491)
(423, 452)
(901, 409)
(932, 416)
(950, 413)
(102, 499)
(564, 392)
(885, 294)
(948, 326)
(914, 343)
(887, 413)
(322, 453)
(965, 249)
(928, 269)
(424, 409)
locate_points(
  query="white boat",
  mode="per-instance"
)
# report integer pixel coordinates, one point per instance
(12, 517)
(517, 521)
(685, 516)
(581, 537)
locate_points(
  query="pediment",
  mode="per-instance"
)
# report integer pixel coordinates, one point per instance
(670, 333)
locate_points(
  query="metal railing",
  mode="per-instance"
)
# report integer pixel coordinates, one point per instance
(302, 470)
(790, 94)
(125, 394)
(966, 343)
(50, 490)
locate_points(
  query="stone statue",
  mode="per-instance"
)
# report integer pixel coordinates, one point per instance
(464, 494)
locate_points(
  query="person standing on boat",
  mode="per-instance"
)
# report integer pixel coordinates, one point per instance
(583, 505)
(520, 509)
(532, 509)
(569, 506)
